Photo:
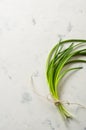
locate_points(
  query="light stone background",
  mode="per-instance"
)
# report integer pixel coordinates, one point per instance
(28, 30)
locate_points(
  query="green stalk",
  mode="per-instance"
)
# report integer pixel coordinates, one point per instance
(58, 58)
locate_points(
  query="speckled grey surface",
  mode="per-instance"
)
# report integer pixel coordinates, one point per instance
(28, 30)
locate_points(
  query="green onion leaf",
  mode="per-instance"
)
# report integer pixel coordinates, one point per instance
(58, 58)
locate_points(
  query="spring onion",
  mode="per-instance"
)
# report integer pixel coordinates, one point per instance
(58, 58)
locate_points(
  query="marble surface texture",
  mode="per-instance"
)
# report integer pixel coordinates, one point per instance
(28, 30)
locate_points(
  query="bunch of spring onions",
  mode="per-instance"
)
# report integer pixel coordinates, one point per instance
(58, 58)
